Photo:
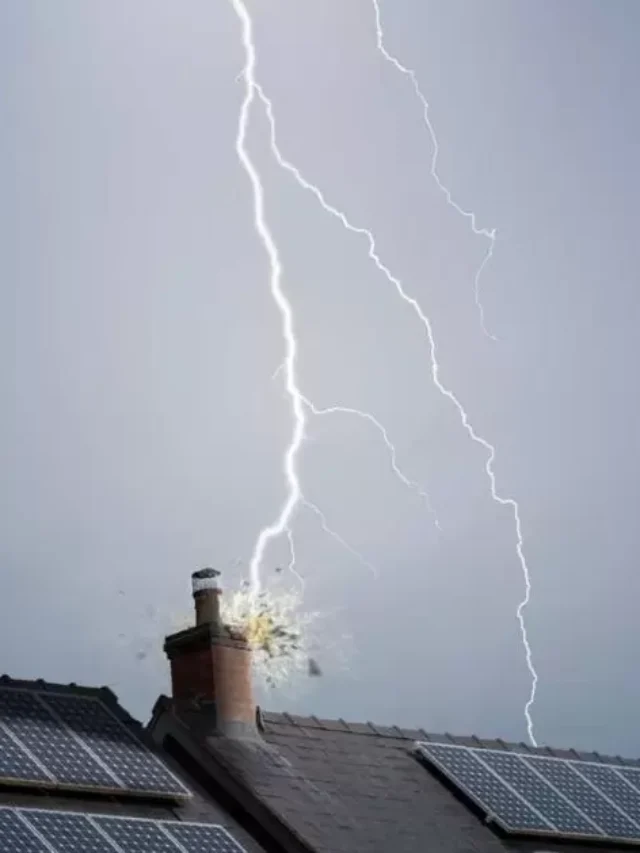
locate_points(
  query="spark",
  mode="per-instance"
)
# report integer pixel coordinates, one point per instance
(489, 234)
(509, 502)
(281, 523)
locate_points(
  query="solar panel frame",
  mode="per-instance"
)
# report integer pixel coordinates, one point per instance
(573, 765)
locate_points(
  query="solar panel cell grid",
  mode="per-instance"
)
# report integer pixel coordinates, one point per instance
(16, 837)
(541, 796)
(49, 742)
(15, 764)
(69, 833)
(137, 836)
(608, 820)
(131, 762)
(496, 797)
(632, 776)
(607, 780)
(195, 838)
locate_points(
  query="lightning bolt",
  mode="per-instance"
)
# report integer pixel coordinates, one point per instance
(343, 542)
(490, 235)
(281, 524)
(294, 497)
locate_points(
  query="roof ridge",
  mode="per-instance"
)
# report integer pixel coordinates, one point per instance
(369, 729)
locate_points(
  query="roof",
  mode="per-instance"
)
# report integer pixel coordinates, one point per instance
(198, 808)
(332, 787)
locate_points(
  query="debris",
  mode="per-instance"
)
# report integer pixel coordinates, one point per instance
(314, 668)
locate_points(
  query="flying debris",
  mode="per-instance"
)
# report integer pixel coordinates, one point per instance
(314, 668)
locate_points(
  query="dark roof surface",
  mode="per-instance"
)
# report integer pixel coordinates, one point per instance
(351, 787)
(199, 808)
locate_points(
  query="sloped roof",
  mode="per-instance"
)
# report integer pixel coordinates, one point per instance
(342, 787)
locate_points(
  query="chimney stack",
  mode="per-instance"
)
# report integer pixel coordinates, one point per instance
(211, 665)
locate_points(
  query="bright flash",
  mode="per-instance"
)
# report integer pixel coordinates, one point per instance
(275, 627)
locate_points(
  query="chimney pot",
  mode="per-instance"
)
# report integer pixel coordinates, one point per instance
(206, 595)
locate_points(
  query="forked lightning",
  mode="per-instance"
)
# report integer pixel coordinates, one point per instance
(281, 526)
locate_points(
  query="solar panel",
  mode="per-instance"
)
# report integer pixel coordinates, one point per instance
(50, 743)
(202, 838)
(16, 837)
(606, 818)
(614, 786)
(560, 813)
(631, 775)
(143, 836)
(63, 740)
(48, 831)
(492, 794)
(68, 832)
(136, 767)
(571, 798)
(15, 763)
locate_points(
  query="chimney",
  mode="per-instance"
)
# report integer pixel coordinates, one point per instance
(211, 665)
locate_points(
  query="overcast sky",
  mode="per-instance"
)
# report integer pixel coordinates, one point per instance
(142, 434)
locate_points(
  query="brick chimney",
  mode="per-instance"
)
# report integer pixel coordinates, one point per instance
(211, 665)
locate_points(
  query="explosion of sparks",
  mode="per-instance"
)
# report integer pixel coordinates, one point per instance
(276, 628)
(282, 525)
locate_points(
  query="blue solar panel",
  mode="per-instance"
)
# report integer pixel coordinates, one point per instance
(613, 785)
(141, 836)
(50, 743)
(15, 763)
(608, 821)
(485, 788)
(68, 832)
(45, 830)
(547, 801)
(202, 838)
(572, 798)
(631, 775)
(136, 767)
(15, 835)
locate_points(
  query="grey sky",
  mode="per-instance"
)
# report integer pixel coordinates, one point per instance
(142, 435)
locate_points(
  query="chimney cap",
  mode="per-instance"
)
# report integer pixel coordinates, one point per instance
(204, 579)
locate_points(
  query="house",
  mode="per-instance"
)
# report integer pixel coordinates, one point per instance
(214, 773)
